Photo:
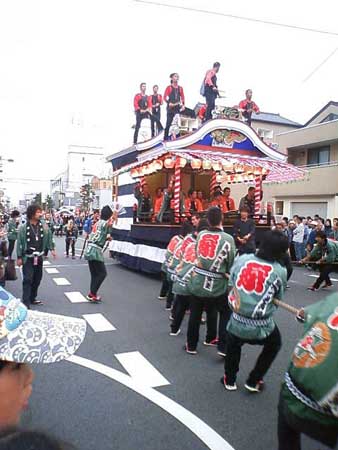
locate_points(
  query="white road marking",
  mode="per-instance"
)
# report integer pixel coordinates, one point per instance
(316, 276)
(61, 281)
(141, 370)
(46, 263)
(51, 270)
(98, 322)
(76, 297)
(205, 433)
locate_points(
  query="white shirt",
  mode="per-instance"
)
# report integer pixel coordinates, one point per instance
(298, 233)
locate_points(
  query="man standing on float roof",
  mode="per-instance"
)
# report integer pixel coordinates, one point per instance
(211, 89)
(33, 240)
(156, 101)
(142, 110)
(94, 251)
(174, 97)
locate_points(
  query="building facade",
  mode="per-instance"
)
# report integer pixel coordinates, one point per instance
(83, 163)
(315, 148)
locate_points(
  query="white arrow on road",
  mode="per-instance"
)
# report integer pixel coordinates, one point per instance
(141, 370)
(206, 434)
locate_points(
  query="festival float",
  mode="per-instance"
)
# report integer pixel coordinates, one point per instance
(221, 151)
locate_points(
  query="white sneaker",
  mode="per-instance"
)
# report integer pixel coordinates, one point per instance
(175, 334)
(162, 297)
(228, 387)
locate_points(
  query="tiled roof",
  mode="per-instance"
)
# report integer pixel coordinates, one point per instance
(274, 118)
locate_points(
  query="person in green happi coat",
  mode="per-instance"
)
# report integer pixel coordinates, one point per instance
(94, 251)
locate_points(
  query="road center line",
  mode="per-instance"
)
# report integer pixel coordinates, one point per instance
(205, 433)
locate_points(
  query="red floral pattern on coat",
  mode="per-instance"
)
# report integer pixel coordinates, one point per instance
(252, 277)
(173, 243)
(333, 320)
(207, 246)
(189, 255)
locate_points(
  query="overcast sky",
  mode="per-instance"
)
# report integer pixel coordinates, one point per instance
(85, 59)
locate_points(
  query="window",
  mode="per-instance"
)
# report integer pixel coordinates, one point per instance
(318, 156)
(279, 207)
(264, 133)
(104, 185)
(330, 117)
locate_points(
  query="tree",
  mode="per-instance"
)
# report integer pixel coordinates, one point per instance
(49, 203)
(86, 194)
(37, 199)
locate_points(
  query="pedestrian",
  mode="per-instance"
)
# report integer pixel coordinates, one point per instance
(165, 292)
(3, 257)
(145, 202)
(29, 337)
(229, 201)
(71, 233)
(186, 237)
(171, 260)
(248, 106)
(298, 238)
(308, 398)
(328, 228)
(142, 105)
(94, 251)
(215, 252)
(182, 275)
(12, 227)
(325, 253)
(33, 240)
(244, 233)
(15, 439)
(156, 101)
(211, 89)
(256, 280)
(335, 229)
(291, 228)
(248, 201)
(48, 226)
(91, 221)
(174, 97)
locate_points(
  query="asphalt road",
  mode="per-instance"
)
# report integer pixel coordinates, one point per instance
(101, 406)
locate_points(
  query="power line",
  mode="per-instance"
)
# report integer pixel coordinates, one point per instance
(233, 16)
(320, 65)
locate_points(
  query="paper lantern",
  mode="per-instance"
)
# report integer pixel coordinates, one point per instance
(196, 164)
(217, 166)
(206, 165)
(134, 173)
(169, 163)
(239, 168)
(158, 165)
(257, 171)
(146, 170)
(228, 168)
(181, 162)
(219, 178)
(265, 171)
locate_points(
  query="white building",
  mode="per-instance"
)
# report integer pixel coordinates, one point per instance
(83, 162)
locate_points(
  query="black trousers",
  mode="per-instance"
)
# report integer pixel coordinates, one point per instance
(210, 97)
(139, 117)
(98, 273)
(32, 276)
(211, 306)
(165, 285)
(324, 274)
(11, 245)
(170, 295)
(157, 115)
(171, 113)
(290, 428)
(286, 262)
(181, 305)
(271, 346)
(70, 243)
